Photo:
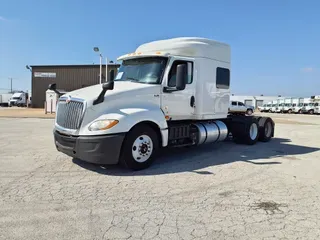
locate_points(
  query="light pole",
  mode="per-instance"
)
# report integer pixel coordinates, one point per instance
(96, 49)
(11, 83)
(29, 97)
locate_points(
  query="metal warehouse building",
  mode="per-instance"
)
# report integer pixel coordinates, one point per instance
(67, 77)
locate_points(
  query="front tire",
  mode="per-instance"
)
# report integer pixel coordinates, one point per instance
(311, 111)
(139, 148)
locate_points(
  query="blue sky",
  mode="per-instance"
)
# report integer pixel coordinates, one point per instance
(275, 44)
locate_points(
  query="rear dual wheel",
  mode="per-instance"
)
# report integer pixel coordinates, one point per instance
(266, 129)
(246, 132)
(252, 130)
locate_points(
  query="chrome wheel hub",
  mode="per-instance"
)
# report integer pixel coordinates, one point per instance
(253, 131)
(142, 148)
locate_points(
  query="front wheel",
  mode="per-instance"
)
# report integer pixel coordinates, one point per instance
(139, 148)
(311, 111)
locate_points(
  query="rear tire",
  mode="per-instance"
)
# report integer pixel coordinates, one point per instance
(289, 111)
(139, 148)
(311, 111)
(266, 129)
(246, 132)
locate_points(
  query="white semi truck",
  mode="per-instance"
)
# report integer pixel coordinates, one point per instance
(280, 107)
(274, 106)
(168, 93)
(19, 99)
(298, 105)
(288, 105)
(312, 105)
(265, 107)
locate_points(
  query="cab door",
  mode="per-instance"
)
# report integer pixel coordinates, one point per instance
(178, 104)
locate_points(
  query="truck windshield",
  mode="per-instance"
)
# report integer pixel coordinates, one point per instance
(300, 104)
(143, 70)
(306, 104)
(287, 104)
(16, 98)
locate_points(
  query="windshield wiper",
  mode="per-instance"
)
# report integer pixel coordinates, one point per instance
(132, 79)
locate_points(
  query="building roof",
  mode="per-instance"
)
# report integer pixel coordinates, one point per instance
(73, 65)
(184, 46)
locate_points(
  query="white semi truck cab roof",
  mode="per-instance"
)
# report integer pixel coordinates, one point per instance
(184, 46)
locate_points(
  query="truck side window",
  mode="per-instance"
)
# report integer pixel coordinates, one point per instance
(173, 70)
(234, 103)
(222, 78)
(240, 104)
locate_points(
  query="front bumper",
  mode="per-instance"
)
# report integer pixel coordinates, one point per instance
(94, 149)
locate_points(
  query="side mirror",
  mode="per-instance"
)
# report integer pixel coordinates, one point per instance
(111, 76)
(52, 86)
(108, 85)
(181, 76)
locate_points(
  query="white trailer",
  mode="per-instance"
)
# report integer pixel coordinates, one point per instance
(4, 99)
(168, 93)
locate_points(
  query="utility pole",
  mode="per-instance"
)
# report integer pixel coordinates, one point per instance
(11, 83)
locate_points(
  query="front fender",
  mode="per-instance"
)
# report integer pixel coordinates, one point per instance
(129, 117)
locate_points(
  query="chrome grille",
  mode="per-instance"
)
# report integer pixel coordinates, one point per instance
(69, 115)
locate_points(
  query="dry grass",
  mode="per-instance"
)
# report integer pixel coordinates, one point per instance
(24, 113)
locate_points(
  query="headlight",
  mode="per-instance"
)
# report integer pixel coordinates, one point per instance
(102, 124)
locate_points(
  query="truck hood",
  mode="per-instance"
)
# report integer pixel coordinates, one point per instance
(92, 92)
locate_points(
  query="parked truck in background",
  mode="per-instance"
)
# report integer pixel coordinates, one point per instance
(311, 106)
(275, 106)
(317, 104)
(168, 93)
(4, 99)
(19, 99)
(287, 108)
(238, 107)
(265, 107)
(280, 107)
(299, 105)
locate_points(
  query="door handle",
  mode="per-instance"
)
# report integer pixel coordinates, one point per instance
(192, 101)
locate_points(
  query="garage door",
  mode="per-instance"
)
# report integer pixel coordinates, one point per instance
(259, 103)
(248, 102)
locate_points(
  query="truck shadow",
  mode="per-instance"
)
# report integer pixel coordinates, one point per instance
(195, 158)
